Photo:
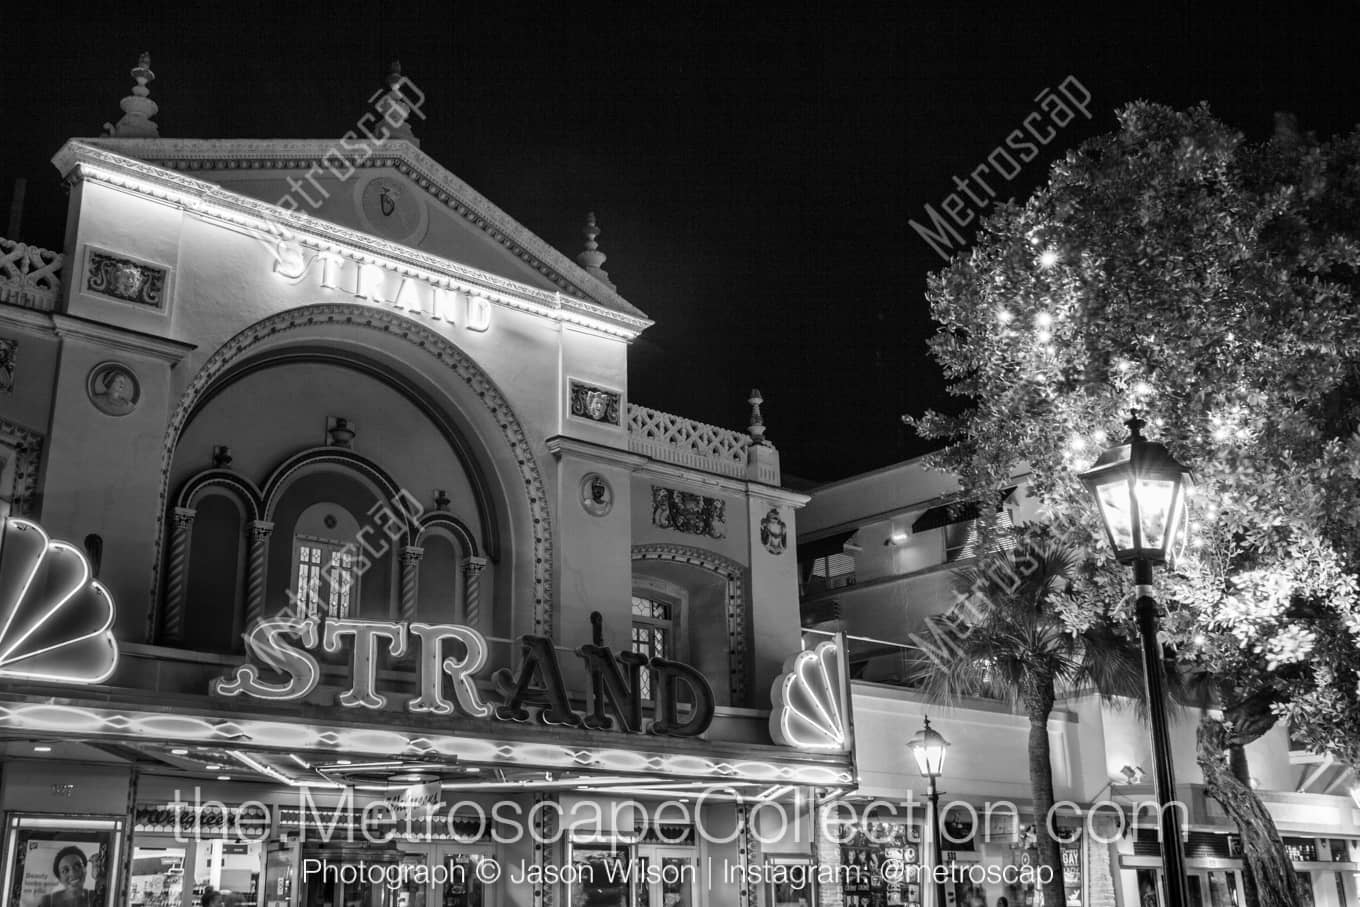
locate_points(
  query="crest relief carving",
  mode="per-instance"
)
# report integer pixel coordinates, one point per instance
(596, 404)
(685, 511)
(126, 279)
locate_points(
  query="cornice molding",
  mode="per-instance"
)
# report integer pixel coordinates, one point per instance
(26, 318)
(171, 351)
(163, 159)
(588, 450)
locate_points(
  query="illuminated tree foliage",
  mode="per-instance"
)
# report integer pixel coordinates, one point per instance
(1172, 267)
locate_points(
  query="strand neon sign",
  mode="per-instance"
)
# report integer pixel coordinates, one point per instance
(451, 657)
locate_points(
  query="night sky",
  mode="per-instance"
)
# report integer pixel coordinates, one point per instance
(753, 167)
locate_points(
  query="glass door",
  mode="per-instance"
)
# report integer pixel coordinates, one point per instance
(1214, 888)
(455, 878)
(667, 876)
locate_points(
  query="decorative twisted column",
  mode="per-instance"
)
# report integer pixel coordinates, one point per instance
(257, 557)
(410, 580)
(177, 573)
(472, 592)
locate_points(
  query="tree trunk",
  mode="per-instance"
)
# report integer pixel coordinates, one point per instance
(1237, 762)
(1039, 703)
(1276, 883)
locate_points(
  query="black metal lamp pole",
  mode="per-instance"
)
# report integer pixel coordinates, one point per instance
(934, 797)
(1140, 491)
(929, 747)
(1164, 775)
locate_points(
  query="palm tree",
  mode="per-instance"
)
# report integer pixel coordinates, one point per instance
(1007, 639)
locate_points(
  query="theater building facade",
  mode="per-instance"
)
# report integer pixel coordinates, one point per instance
(328, 514)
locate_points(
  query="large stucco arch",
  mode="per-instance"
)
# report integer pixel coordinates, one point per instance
(738, 604)
(473, 401)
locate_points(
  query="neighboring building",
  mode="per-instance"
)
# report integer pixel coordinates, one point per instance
(878, 554)
(340, 438)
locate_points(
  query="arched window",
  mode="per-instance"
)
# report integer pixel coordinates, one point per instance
(328, 554)
(327, 566)
(658, 628)
(440, 598)
(213, 592)
(710, 621)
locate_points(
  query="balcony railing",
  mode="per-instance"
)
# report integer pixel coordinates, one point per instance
(29, 276)
(684, 442)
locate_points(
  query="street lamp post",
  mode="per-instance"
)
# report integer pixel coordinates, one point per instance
(1140, 490)
(929, 747)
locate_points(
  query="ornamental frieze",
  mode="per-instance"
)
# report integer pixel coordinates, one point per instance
(597, 404)
(125, 279)
(685, 511)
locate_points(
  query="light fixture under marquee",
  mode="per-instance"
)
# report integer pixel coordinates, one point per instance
(55, 619)
(138, 725)
(807, 704)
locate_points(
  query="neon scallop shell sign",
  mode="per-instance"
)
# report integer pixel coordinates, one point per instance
(808, 707)
(55, 618)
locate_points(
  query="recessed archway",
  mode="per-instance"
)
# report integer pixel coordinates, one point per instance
(476, 414)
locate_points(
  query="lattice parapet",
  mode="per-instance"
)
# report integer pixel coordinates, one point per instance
(29, 275)
(685, 442)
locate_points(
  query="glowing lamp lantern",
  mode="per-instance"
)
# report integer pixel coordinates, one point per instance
(929, 747)
(1140, 490)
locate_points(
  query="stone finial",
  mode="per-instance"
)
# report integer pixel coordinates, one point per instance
(398, 103)
(138, 108)
(757, 427)
(441, 499)
(592, 257)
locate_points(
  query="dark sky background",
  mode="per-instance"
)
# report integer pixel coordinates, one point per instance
(753, 167)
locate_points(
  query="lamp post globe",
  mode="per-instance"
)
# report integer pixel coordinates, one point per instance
(1140, 491)
(929, 749)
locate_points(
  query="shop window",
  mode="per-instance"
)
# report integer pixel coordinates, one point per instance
(157, 878)
(653, 634)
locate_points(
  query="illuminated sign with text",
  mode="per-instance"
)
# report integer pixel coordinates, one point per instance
(284, 668)
(380, 285)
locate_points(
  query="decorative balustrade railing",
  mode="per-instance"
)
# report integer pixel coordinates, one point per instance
(685, 442)
(29, 276)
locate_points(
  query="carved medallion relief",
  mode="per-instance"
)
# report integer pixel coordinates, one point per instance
(685, 511)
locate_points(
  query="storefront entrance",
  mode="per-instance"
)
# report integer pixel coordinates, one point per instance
(1215, 888)
(634, 875)
(668, 877)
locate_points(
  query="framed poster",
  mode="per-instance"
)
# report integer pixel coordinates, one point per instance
(61, 861)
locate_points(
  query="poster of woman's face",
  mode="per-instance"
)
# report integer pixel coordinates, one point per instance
(60, 867)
